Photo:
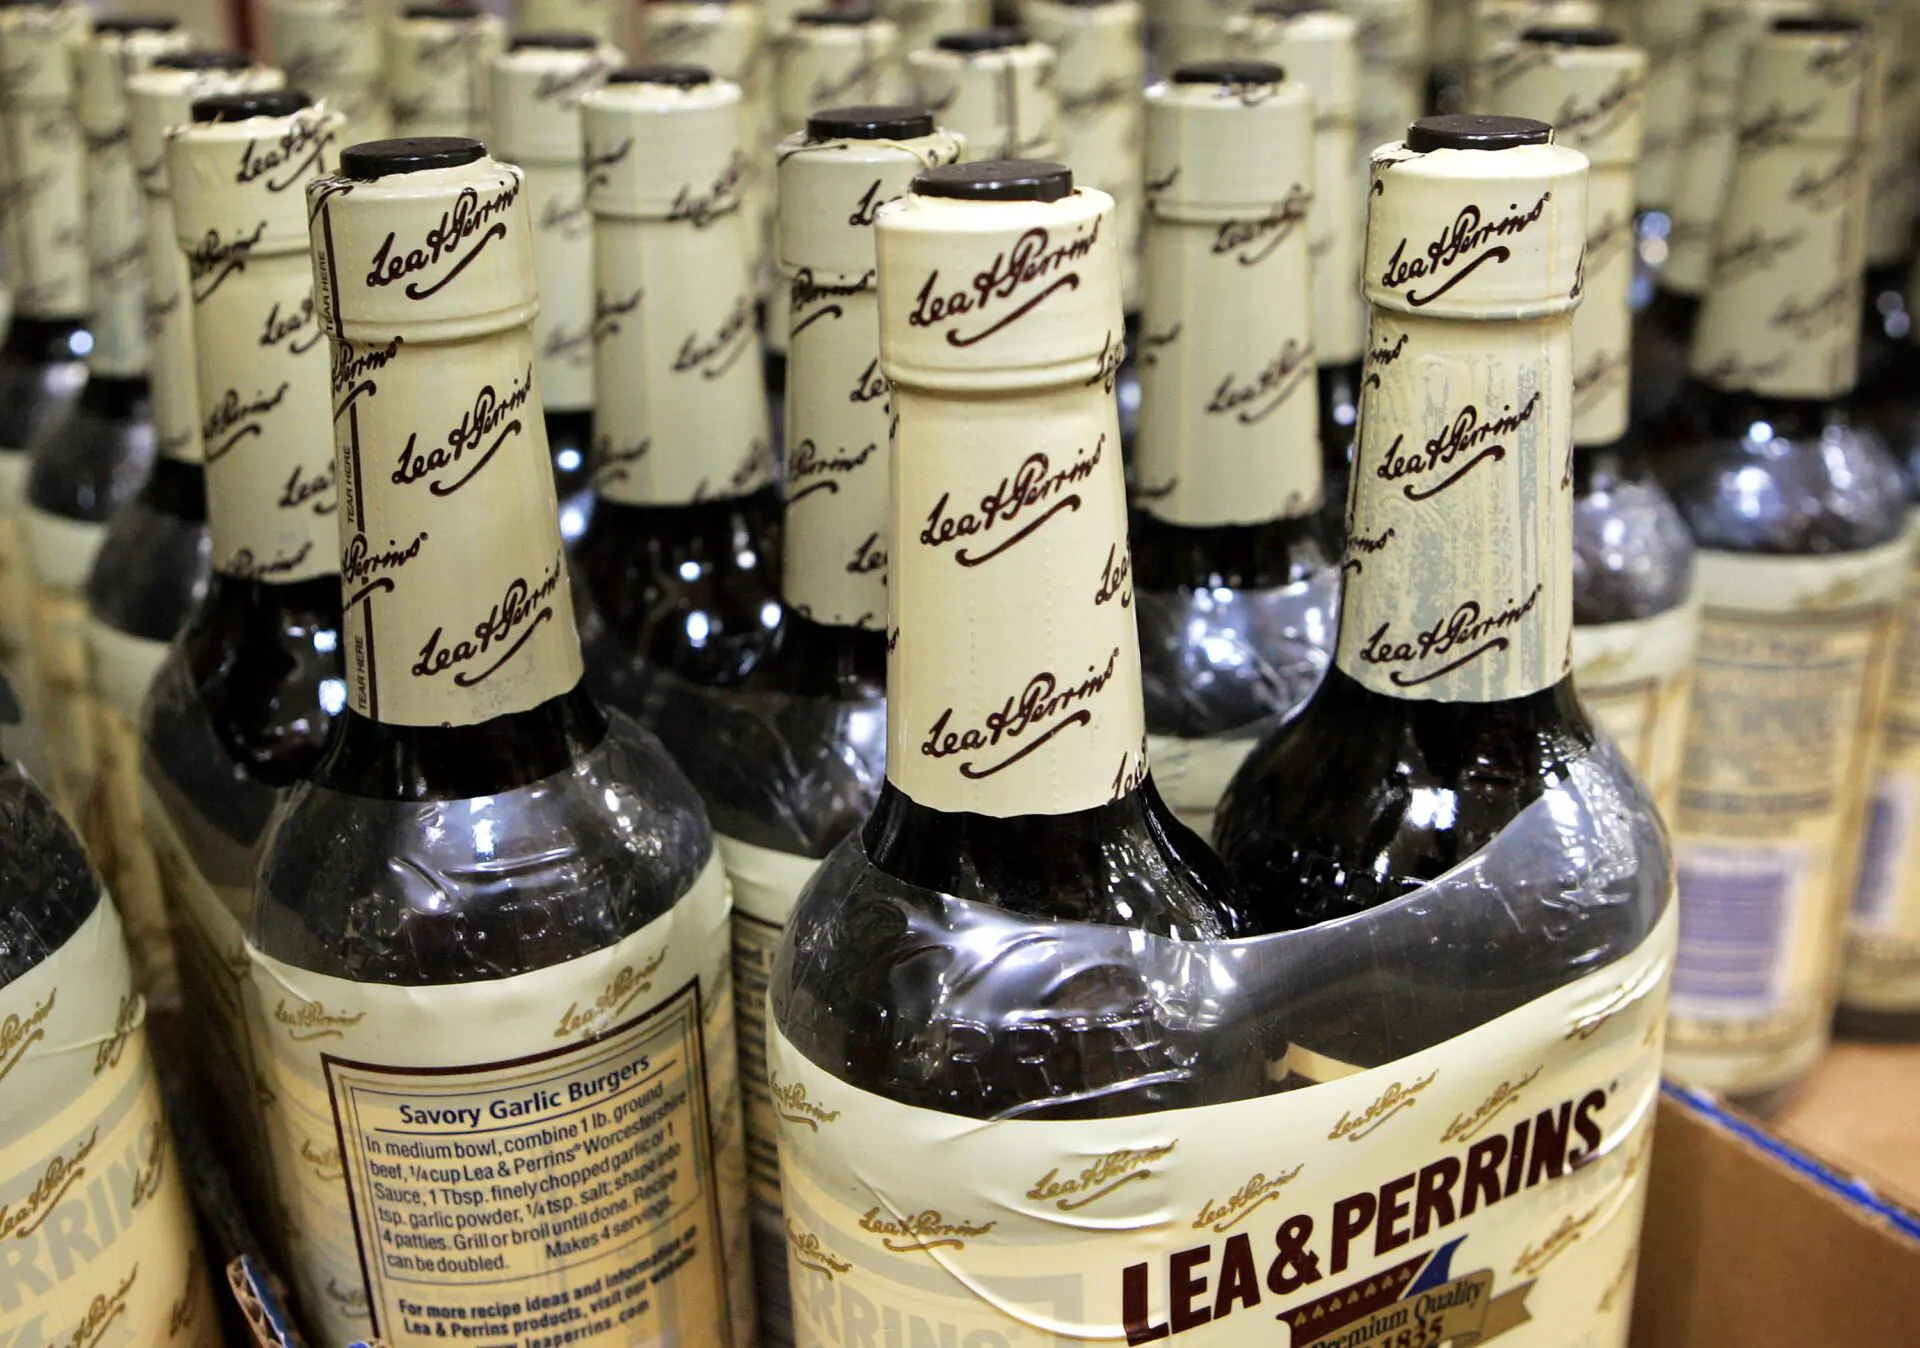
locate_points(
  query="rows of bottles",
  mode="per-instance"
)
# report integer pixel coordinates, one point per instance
(644, 649)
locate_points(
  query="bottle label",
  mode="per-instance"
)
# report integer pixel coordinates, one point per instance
(123, 669)
(605, 19)
(117, 257)
(1229, 411)
(1882, 969)
(174, 376)
(840, 426)
(272, 501)
(1782, 316)
(682, 412)
(1603, 324)
(1671, 41)
(1192, 775)
(1635, 680)
(1460, 518)
(456, 599)
(766, 885)
(528, 1155)
(1453, 1196)
(93, 1207)
(46, 232)
(1779, 749)
(562, 236)
(437, 74)
(62, 551)
(1019, 689)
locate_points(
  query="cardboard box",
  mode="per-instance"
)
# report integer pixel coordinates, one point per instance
(1800, 1234)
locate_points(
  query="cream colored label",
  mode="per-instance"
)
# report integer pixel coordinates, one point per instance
(1603, 324)
(548, 1157)
(682, 414)
(1635, 680)
(117, 256)
(1782, 317)
(1005, 103)
(1882, 966)
(1229, 411)
(834, 66)
(766, 885)
(1778, 765)
(99, 1236)
(1192, 775)
(839, 424)
(123, 667)
(1462, 438)
(563, 330)
(1728, 29)
(45, 212)
(921, 21)
(174, 378)
(1671, 37)
(262, 358)
(1014, 685)
(1490, 1186)
(604, 19)
(437, 74)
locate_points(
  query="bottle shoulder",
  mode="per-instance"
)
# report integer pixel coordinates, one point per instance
(1632, 550)
(154, 563)
(1791, 479)
(473, 889)
(47, 887)
(92, 458)
(1359, 799)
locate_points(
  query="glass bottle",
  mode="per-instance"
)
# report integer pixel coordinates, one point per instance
(535, 97)
(1668, 31)
(42, 365)
(1636, 618)
(792, 760)
(1320, 48)
(489, 934)
(331, 49)
(679, 571)
(152, 559)
(1449, 707)
(922, 21)
(47, 255)
(240, 707)
(1799, 515)
(96, 1204)
(437, 57)
(1232, 580)
(1016, 758)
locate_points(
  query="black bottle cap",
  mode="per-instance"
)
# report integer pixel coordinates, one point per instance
(1475, 131)
(997, 180)
(1572, 35)
(553, 42)
(373, 159)
(870, 122)
(239, 107)
(1817, 23)
(1229, 72)
(679, 77)
(1290, 9)
(28, 4)
(975, 40)
(135, 23)
(204, 60)
(836, 18)
(453, 11)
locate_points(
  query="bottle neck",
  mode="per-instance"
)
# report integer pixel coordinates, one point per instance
(1229, 420)
(169, 318)
(458, 609)
(680, 413)
(1014, 676)
(117, 257)
(265, 416)
(563, 329)
(45, 212)
(1603, 324)
(839, 426)
(1460, 525)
